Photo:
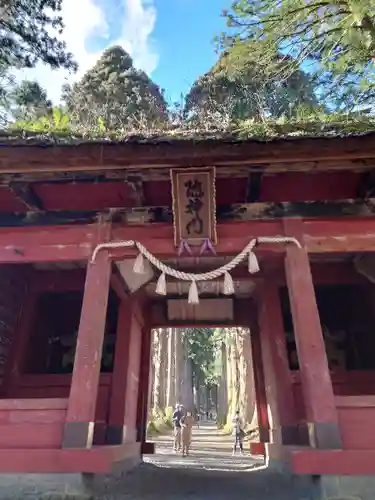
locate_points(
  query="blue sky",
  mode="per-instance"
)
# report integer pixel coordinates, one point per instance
(170, 39)
(184, 32)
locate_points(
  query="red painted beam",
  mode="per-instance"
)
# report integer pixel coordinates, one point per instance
(74, 243)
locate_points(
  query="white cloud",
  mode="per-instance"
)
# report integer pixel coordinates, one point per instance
(84, 21)
(140, 20)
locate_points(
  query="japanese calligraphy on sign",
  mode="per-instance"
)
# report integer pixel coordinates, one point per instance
(194, 205)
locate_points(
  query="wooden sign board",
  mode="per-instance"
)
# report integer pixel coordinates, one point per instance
(213, 310)
(194, 205)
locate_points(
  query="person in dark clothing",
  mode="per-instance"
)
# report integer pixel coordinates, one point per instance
(237, 432)
(176, 422)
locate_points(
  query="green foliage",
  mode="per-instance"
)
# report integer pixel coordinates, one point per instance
(27, 34)
(333, 32)
(201, 348)
(242, 85)
(160, 422)
(168, 415)
(306, 123)
(56, 121)
(115, 95)
(333, 39)
(28, 101)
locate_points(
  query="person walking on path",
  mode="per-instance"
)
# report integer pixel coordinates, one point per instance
(187, 422)
(238, 432)
(176, 422)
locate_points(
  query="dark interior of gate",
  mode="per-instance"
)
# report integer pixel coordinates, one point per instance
(58, 202)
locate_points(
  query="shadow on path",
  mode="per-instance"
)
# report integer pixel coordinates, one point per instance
(210, 473)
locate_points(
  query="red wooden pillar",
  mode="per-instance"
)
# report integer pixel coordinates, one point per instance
(319, 399)
(80, 418)
(125, 379)
(133, 379)
(260, 388)
(115, 427)
(144, 379)
(279, 388)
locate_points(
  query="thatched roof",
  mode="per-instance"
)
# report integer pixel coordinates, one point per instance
(326, 126)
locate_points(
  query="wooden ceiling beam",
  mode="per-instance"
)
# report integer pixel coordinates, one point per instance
(155, 173)
(242, 212)
(24, 192)
(76, 243)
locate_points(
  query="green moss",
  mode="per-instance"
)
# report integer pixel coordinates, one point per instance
(59, 129)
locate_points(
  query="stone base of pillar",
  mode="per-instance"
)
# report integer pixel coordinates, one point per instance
(78, 435)
(286, 435)
(115, 434)
(324, 435)
(277, 458)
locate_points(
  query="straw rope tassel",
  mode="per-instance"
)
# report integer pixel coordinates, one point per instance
(253, 263)
(161, 285)
(193, 293)
(228, 284)
(139, 264)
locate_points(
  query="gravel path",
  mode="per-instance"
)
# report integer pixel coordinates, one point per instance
(209, 473)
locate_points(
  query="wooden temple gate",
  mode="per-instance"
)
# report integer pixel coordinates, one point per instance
(305, 204)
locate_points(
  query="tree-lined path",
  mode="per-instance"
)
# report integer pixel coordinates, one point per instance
(211, 450)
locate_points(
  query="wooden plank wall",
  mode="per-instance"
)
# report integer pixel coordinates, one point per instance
(13, 281)
(32, 423)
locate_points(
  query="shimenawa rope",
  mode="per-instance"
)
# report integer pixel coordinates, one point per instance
(228, 288)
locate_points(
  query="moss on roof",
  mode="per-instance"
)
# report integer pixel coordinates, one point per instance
(313, 126)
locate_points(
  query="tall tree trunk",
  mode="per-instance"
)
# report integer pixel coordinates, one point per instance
(229, 348)
(152, 373)
(171, 384)
(234, 373)
(157, 379)
(250, 413)
(241, 371)
(224, 383)
(207, 398)
(187, 379)
(196, 386)
(164, 368)
(189, 401)
(179, 364)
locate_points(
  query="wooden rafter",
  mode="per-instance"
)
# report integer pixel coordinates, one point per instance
(340, 209)
(24, 192)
